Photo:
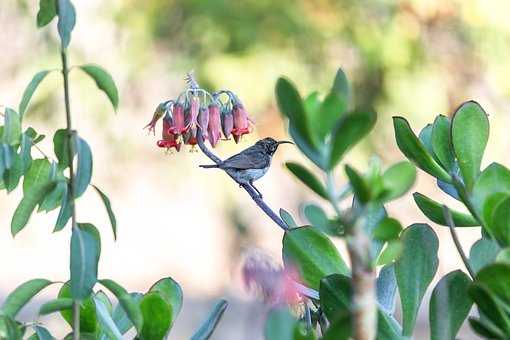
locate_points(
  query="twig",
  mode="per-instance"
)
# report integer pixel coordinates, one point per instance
(449, 220)
(253, 194)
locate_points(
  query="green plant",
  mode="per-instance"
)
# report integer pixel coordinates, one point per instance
(58, 183)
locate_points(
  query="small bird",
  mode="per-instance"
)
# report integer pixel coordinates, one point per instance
(251, 163)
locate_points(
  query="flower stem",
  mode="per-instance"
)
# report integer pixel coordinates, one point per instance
(70, 150)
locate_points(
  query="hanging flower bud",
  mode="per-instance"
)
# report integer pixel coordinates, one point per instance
(178, 126)
(214, 127)
(227, 124)
(169, 139)
(158, 113)
(241, 122)
(203, 120)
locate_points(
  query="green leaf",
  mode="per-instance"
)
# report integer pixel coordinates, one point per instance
(470, 133)
(206, 330)
(390, 253)
(318, 218)
(291, 105)
(500, 224)
(56, 305)
(316, 156)
(35, 187)
(388, 229)
(106, 321)
(9, 329)
(287, 218)
(22, 295)
(88, 320)
(415, 151)
(130, 306)
(104, 82)
(386, 288)
(335, 293)
(12, 128)
(280, 324)
(47, 11)
(397, 180)
(54, 197)
(313, 255)
(85, 252)
(341, 86)
(504, 256)
(13, 175)
(496, 277)
(489, 307)
(66, 210)
(157, 316)
(340, 328)
(449, 306)
(358, 184)
(307, 178)
(482, 253)
(109, 210)
(330, 111)
(66, 21)
(442, 143)
(84, 168)
(434, 211)
(485, 329)
(42, 333)
(171, 291)
(388, 328)
(36, 80)
(121, 318)
(493, 179)
(349, 130)
(414, 270)
(312, 104)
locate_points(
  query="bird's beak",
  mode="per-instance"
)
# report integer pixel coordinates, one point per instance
(284, 142)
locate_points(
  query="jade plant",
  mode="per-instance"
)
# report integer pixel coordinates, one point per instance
(58, 182)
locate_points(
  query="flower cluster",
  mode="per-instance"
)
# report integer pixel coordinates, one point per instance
(196, 113)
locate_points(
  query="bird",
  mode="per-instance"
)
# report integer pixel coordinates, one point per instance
(250, 164)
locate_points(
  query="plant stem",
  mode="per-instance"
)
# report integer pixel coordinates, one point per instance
(448, 217)
(253, 194)
(70, 150)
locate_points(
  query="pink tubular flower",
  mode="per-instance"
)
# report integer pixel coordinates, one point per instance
(178, 127)
(241, 122)
(169, 139)
(214, 127)
(227, 124)
(193, 112)
(203, 120)
(276, 285)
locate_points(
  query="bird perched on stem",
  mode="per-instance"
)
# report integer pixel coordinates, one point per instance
(250, 164)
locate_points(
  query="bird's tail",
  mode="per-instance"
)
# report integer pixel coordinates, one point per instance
(209, 166)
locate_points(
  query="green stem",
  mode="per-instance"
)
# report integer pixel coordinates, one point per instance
(72, 190)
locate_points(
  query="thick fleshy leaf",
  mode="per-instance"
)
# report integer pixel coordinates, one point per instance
(157, 316)
(374, 214)
(130, 306)
(500, 224)
(485, 329)
(390, 253)
(349, 130)
(482, 253)
(47, 11)
(312, 104)
(341, 86)
(397, 180)
(9, 329)
(171, 291)
(84, 168)
(66, 21)
(11, 133)
(88, 320)
(85, 252)
(35, 186)
(106, 321)
(330, 111)
(287, 218)
(316, 156)
(312, 254)
(496, 277)
(415, 151)
(56, 305)
(414, 270)
(469, 133)
(441, 142)
(489, 307)
(318, 218)
(434, 211)
(449, 306)
(425, 137)
(448, 189)
(206, 330)
(358, 184)
(279, 325)
(386, 289)
(308, 178)
(42, 333)
(387, 327)
(340, 328)
(22, 295)
(104, 82)
(335, 295)
(36, 80)
(291, 105)
(109, 210)
(388, 229)
(493, 179)
(121, 318)
(503, 256)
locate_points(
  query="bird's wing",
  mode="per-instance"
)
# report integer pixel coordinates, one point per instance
(248, 159)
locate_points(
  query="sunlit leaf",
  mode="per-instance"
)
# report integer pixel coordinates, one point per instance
(434, 211)
(441, 142)
(56, 305)
(88, 320)
(106, 321)
(85, 252)
(66, 21)
(397, 180)
(388, 229)
(22, 295)
(157, 316)
(130, 306)
(104, 82)
(358, 184)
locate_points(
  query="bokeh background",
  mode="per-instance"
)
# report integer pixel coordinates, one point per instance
(412, 58)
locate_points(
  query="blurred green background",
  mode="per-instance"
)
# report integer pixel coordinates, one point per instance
(411, 58)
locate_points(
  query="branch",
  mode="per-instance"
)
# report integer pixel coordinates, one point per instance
(253, 194)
